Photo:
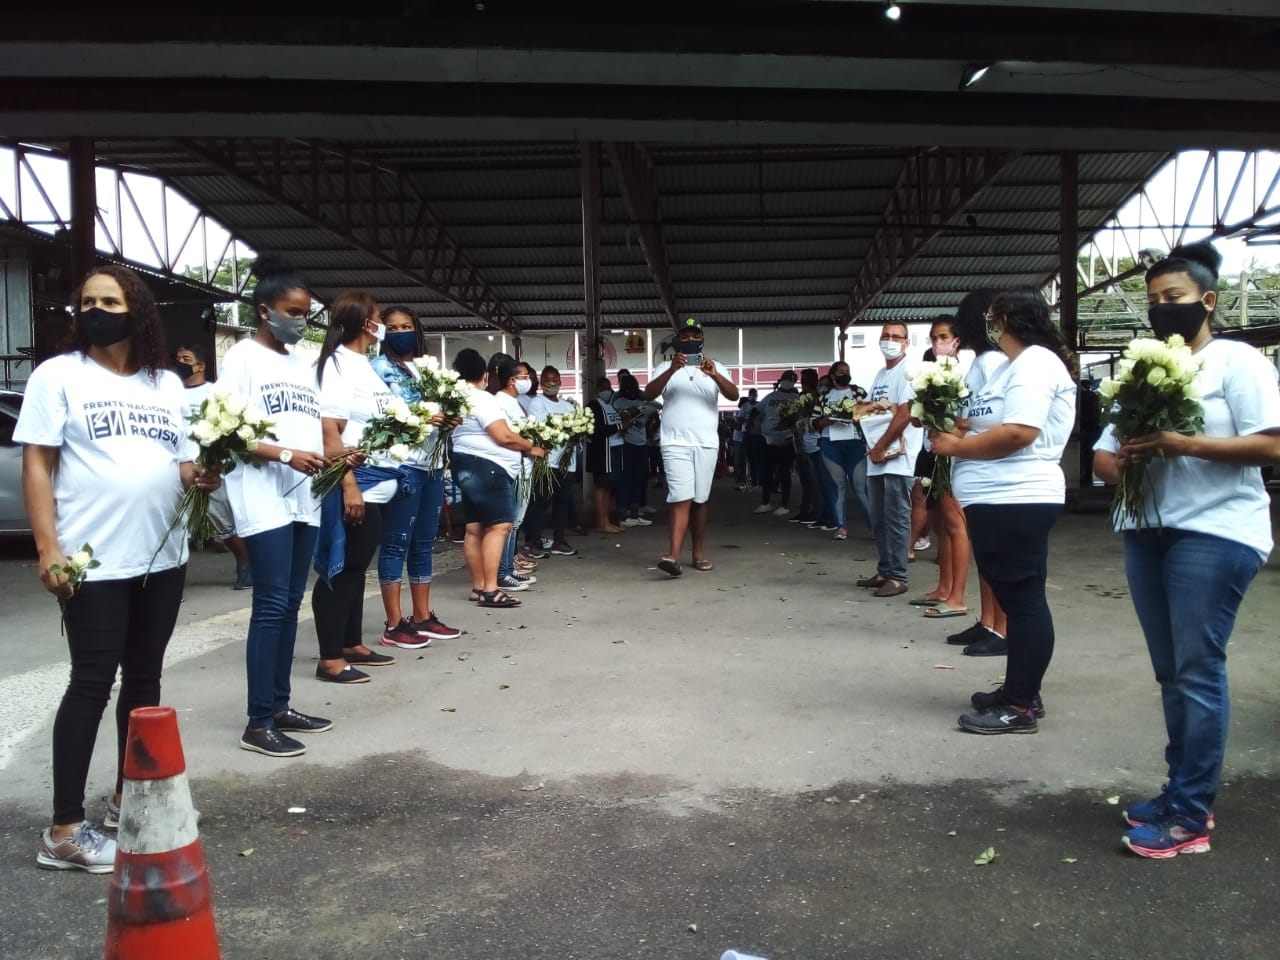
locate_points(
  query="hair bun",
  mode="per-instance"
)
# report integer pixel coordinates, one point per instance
(1203, 253)
(270, 264)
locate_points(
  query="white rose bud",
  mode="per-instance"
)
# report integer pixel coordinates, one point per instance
(246, 433)
(398, 451)
(1157, 376)
(80, 559)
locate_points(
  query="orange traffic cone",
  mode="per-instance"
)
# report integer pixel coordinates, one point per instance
(160, 905)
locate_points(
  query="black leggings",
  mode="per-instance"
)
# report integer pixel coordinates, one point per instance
(775, 467)
(110, 624)
(339, 606)
(1011, 547)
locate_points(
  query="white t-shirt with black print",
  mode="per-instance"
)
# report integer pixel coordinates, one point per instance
(542, 408)
(690, 412)
(352, 391)
(1034, 390)
(120, 440)
(893, 385)
(282, 388)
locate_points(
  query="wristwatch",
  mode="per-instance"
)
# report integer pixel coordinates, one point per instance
(286, 455)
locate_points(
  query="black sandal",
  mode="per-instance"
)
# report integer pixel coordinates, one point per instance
(496, 598)
(476, 596)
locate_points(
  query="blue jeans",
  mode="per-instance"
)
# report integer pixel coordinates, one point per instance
(827, 488)
(410, 522)
(507, 565)
(847, 467)
(891, 508)
(280, 561)
(1186, 589)
(635, 476)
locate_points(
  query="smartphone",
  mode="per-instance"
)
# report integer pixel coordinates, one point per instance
(693, 359)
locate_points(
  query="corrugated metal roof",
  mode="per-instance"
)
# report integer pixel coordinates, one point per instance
(753, 235)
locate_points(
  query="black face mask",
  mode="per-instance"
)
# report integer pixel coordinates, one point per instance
(843, 380)
(184, 370)
(103, 328)
(691, 347)
(1184, 319)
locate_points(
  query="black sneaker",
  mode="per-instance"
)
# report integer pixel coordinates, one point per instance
(967, 636)
(293, 721)
(991, 644)
(998, 720)
(563, 550)
(534, 552)
(271, 743)
(985, 701)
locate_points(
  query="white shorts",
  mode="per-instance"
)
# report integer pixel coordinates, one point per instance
(690, 471)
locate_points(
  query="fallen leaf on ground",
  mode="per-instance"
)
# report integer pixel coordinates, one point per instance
(1068, 859)
(531, 787)
(986, 856)
(1113, 800)
(247, 853)
(951, 833)
(943, 666)
(448, 709)
(297, 809)
(504, 686)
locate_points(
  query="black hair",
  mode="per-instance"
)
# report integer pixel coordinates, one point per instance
(349, 313)
(628, 386)
(970, 323)
(470, 365)
(276, 277)
(1199, 261)
(420, 339)
(603, 383)
(533, 378)
(947, 319)
(147, 349)
(196, 350)
(549, 369)
(1025, 313)
(502, 369)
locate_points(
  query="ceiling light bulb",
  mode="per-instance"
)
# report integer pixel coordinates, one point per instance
(892, 11)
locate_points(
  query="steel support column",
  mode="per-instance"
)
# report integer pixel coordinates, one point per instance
(634, 169)
(591, 369)
(84, 208)
(1069, 248)
(932, 189)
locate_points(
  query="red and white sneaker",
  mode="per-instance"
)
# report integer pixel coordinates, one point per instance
(433, 628)
(403, 635)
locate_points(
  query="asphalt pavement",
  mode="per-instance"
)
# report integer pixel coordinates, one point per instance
(761, 757)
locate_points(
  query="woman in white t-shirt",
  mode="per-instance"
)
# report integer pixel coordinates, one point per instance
(351, 394)
(1208, 532)
(485, 463)
(106, 457)
(844, 453)
(1006, 475)
(271, 501)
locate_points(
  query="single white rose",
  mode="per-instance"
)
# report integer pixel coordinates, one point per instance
(80, 559)
(1156, 376)
(246, 433)
(398, 451)
(1108, 389)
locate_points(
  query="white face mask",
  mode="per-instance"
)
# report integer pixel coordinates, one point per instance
(891, 349)
(522, 385)
(945, 348)
(379, 331)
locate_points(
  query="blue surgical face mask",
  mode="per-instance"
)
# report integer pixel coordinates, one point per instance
(402, 343)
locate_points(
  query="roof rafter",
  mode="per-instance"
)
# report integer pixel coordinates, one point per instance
(634, 169)
(933, 187)
(375, 209)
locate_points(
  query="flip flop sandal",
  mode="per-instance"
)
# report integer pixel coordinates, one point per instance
(672, 567)
(703, 565)
(924, 602)
(499, 600)
(941, 611)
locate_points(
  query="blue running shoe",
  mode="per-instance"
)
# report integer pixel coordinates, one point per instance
(1153, 811)
(1174, 835)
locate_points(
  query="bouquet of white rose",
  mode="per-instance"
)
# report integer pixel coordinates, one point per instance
(1154, 390)
(577, 426)
(227, 430)
(396, 432)
(797, 409)
(548, 434)
(839, 411)
(452, 396)
(940, 396)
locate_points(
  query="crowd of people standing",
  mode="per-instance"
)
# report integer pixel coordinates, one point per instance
(107, 457)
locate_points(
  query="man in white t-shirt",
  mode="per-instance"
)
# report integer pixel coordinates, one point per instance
(191, 364)
(891, 465)
(691, 386)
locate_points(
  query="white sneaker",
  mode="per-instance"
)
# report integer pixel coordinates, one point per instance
(763, 508)
(637, 522)
(88, 849)
(782, 512)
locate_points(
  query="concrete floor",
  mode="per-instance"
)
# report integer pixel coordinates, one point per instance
(761, 757)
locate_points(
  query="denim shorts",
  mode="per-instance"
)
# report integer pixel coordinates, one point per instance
(488, 491)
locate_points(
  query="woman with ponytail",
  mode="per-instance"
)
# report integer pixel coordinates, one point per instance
(1209, 532)
(1007, 477)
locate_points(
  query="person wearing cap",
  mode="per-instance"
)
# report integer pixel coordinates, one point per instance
(691, 386)
(779, 450)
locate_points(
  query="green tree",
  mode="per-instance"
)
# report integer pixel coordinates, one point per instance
(233, 313)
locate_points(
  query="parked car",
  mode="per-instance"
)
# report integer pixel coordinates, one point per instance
(13, 515)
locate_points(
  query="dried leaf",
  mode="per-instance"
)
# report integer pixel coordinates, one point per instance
(504, 686)
(986, 856)
(464, 656)
(1068, 859)
(448, 709)
(247, 853)
(951, 833)
(531, 787)
(1114, 801)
